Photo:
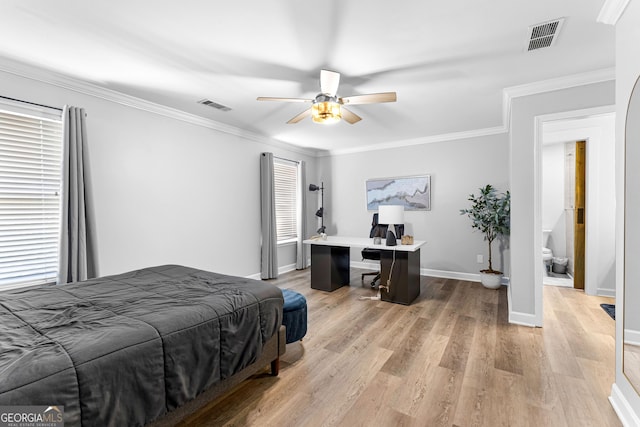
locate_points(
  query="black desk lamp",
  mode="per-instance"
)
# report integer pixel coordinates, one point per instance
(319, 212)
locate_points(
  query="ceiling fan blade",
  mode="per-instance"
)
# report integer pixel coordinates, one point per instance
(329, 81)
(271, 98)
(349, 116)
(371, 98)
(306, 113)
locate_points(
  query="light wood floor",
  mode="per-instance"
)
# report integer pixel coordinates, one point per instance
(449, 359)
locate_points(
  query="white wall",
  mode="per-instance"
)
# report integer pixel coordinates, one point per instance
(553, 180)
(166, 191)
(457, 169)
(623, 396)
(601, 245)
(526, 237)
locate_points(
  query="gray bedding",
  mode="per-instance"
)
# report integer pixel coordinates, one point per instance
(125, 349)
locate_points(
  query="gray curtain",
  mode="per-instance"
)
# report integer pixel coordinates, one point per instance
(301, 253)
(77, 256)
(269, 262)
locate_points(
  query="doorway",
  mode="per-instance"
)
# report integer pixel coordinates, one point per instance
(593, 216)
(563, 212)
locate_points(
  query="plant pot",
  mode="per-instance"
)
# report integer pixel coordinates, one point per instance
(491, 280)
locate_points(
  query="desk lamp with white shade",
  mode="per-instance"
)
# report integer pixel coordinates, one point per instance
(391, 215)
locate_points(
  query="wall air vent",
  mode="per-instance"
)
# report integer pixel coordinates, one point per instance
(215, 105)
(544, 34)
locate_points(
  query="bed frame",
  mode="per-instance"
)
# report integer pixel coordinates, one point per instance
(271, 352)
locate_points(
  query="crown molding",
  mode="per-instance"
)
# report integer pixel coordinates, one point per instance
(418, 141)
(543, 86)
(77, 85)
(559, 83)
(611, 11)
(509, 93)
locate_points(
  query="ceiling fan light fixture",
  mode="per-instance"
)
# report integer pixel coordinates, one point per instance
(326, 112)
(327, 108)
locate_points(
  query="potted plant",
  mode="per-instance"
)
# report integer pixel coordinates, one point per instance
(490, 213)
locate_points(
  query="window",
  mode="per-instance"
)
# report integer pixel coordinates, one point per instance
(30, 175)
(285, 174)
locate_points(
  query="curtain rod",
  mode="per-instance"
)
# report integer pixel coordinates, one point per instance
(31, 103)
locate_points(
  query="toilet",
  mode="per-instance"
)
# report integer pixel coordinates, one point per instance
(547, 255)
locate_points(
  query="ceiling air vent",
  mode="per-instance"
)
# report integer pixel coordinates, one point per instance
(215, 105)
(544, 34)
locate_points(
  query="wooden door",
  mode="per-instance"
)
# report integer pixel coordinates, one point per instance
(579, 216)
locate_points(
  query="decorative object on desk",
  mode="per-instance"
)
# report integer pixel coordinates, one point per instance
(407, 240)
(412, 192)
(490, 213)
(320, 211)
(391, 215)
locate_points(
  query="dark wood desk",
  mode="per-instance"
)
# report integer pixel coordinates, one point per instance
(330, 260)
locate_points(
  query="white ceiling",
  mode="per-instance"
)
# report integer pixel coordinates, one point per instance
(447, 61)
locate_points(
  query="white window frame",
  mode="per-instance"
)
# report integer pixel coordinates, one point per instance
(286, 185)
(30, 153)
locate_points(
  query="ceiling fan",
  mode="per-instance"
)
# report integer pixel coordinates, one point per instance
(327, 107)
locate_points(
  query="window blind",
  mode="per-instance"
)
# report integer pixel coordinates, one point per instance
(30, 175)
(285, 176)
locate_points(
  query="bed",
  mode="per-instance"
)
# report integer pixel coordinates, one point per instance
(131, 348)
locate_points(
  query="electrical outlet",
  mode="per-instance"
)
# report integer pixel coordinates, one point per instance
(479, 259)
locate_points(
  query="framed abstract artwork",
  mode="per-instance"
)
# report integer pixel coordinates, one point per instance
(413, 192)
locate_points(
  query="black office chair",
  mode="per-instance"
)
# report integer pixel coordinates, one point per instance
(378, 230)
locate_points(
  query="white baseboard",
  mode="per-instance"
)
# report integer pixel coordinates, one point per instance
(456, 275)
(365, 265)
(524, 319)
(605, 292)
(622, 407)
(631, 337)
(281, 270)
(470, 277)
(286, 268)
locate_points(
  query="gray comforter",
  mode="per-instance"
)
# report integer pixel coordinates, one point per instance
(125, 349)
